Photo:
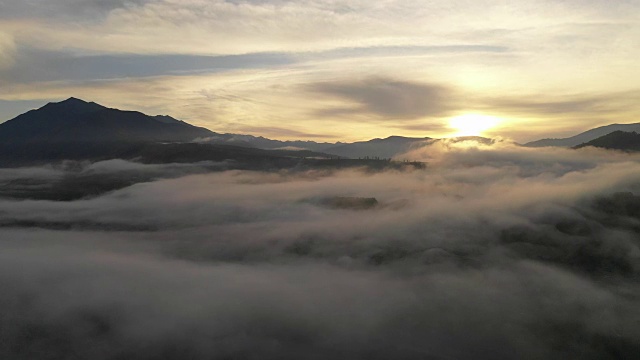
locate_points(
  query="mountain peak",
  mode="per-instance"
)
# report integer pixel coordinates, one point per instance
(73, 106)
(74, 100)
(74, 121)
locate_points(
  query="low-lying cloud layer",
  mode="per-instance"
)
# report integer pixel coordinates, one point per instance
(489, 252)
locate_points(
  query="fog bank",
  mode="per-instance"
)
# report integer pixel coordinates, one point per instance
(490, 252)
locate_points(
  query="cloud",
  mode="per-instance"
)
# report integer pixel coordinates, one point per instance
(489, 251)
(591, 105)
(187, 27)
(395, 51)
(39, 65)
(81, 10)
(72, 180)
(427, 127)
(7, 51)
(386, 98)
(476, 48)
(34, 65)
(287, 312)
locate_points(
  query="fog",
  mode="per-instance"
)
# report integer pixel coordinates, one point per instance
(490, 252)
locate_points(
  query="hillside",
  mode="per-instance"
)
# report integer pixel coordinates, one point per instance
(617, 140)
(376, 148)
(75, 120)
(585, 136)
(78, 130)
(74, 129)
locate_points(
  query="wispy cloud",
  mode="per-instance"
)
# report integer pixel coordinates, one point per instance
(33, 65)
(7, 52)
(592, 105)
(386, 98)
(64, 10)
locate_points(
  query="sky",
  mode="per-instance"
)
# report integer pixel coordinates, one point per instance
(331, 70)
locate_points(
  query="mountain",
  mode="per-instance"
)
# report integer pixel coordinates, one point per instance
(585, 136)
(74, 129)
(78, 130)
(458, 139)
(393, 146)
(377, 148)
(264, 143)
(168, 119)
(617, 140)
(75, 120)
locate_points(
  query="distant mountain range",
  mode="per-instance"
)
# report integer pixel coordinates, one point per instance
(76, 130)
(617, 140)
(264, 143)
(586, 136)
(375, 148)
(378, 148)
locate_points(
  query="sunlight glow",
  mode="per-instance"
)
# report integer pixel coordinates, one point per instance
(472, 124)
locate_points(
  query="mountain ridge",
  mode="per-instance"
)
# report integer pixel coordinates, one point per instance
(377, 148)
(617, 140)
(585, 136)
(90, 129)
(74, 120)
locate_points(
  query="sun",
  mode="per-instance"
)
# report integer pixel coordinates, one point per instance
(472, 124)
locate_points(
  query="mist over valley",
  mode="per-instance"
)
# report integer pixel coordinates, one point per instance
(456, 249)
